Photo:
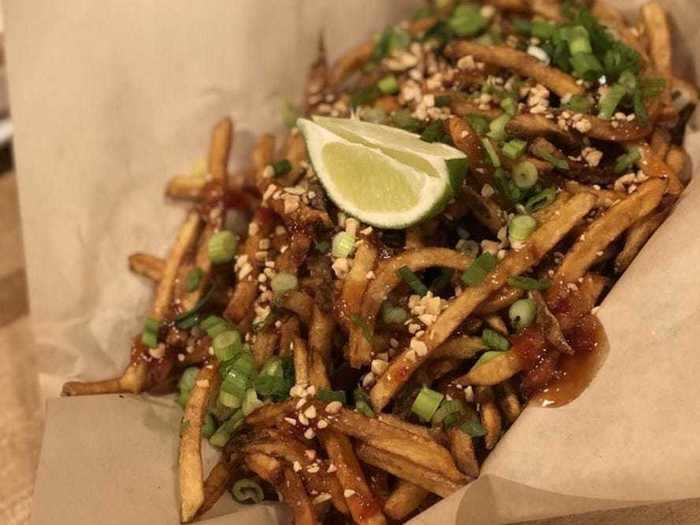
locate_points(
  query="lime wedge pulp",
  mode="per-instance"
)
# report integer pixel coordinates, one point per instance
(384, 176)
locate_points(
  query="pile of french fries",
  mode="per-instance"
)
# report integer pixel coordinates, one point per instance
(374, 460)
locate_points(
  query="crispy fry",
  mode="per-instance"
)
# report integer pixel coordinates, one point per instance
(300, 303)
(402, 468)
(269, 415)
(509, 401)
(288, 330)
(486, 211)
(350, 62)
(460, 347)
(499, 300)
(517, 262)
(490, 416)
(659, 34)
(404, 500)
(363, 505)
(496, 322)
(605, 198)
(660, 142)
(301, 361)
(519, 62)
(467, 140)
(461, 106)
(190, 462)
(531, 126)
(219, 150)
(607, 228)
(215, 484)
(493, 372)
(462, 449)
(321, 332)
(654, 166)
(147, 265)
(414, 238)
(354, 287)
(637, 236)
(614, 20)
(189, 187)
(678, 161)
(621, 132)
(387, 279)
(265, 344)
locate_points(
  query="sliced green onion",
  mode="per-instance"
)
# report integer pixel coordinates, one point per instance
(628, 160)
(322, 246)
(467, 20)
(226, 430)
(211, 321)
(247, 490)
(542, 30)
(426, 404)
(468, 247)
(412, 280)
(479, 269)
(506, 186)
(364, 96)
(525, 175)
(541, 200)
(528, 283)
(331, 395)
(442, 101)
(393, 314)
(226, 345)
(276, 387)
(219, 328)
(281, 167)
(639, 108)
(492, 153)
(149, 339)
(447, 407)
(283, 282)
(272, 367)
(497, 128)
(188, 322)
(522, 313)
(209, 426)
(404, 120)
(250, 401)
(611, 100)
(434, 132)
(579, 41)
(151, 325)
(542, 153)
(478, 123)
(361, 323)
(222, 247)
(522, 26)
(193, 278)
(362, 402)
(473, 428)
(514, 149)
(521, 227)
(220, 412)
(509, 105)
(580, 104)
(188, 379)
(388, 85)
(441, 281)
(586, 66)
(229, 400)
(494, 341)
(374, 115)
(343, 244)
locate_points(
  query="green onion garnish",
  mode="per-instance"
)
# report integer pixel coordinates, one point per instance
(479, 269)
(214, 325)
(388, 85)
(541, 200)
(229, 400)
(404, 120)
(281, 167)
(151, 325)
(227, 344)
(188, 379)
(528, 283)
(522, 26)
(586, 66)
(250, 401)
(188, 322)
(542, 30)
(393, 314)
(542, 153)
(426, 403)
(362, 404)
(446, 408)
(497, 128)
(434, 132)
(579, 41)
(226, 430)
(275, 387)
(412, 280)
(522, 313)
(478, 123)
(222, 247)
(521, 227)
(322, 246)
(580, 104)
(193, 278)
(525, 175)
(209, 426)
(331, 395)
(611, 100)
(283, 282)
(509, 105)
(361, 323)
(494, 341)
(473, 428)
(246, 490)
(514, 149)
(628, 160)
(492, 153)
(150, 333)
(467, 20)
(343, 244)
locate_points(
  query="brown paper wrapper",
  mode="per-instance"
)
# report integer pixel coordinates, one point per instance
(111, 98)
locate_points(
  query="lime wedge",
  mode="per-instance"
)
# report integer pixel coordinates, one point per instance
(384, 176)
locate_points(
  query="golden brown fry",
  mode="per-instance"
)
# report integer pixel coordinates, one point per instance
(462, 449)
(637, 236)
(301, 361)
(405, 469)
(404, 500)
(190, 460)
(659, 35)
(397, 422)
(678, 161)
(654, 166)
(530, 126)
(468, 141)
(387, 278)
(496, 322)
(461, 106)
(620, 132)
(270, 414)
(607, 228)
(490, 416)
(261, 156)
(518, 62)
(219, 150)
(435, 369)
(288, 330)
(265, 344)
(215, 484)
(424, 452)
(293, 258)
(147, 265)
(613, 19)
(515, 263)
(363, 504)
(350, 62)
(300, 303)
(509, 401)
(354, 287)
(486, 211)
(499, 300)
(606, 198)
(660, 142)
(188, 187)
(321, 331)
(460, 347)
(550, 9)
(203, 263)
(493, 372)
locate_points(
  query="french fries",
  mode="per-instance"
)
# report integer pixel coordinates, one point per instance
(404, 500)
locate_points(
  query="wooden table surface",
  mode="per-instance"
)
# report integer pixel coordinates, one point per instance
(20, 421)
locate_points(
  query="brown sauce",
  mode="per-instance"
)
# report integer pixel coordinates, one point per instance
(576, 371)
